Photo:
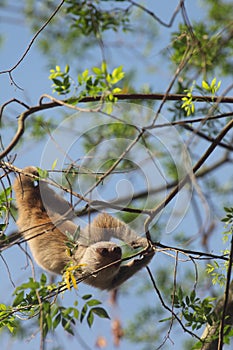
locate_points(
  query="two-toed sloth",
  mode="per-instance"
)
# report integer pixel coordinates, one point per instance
(44, 220)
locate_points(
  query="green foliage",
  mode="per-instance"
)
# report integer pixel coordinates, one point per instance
(228, 219)
(117, 131)
(72, 244)
(228, 333)
(28, 294)
(195, 311)
(216, 270)
(212, 87)
(53, 315)
(90, 309)
(7, 318)
(88, 17)
(101, 83)
(32, 299)
(4, 207)
(220, 11)
(190, 107)
(206, 46)
(61, 80)
(39, 127)
(188, 104)
(43, 174)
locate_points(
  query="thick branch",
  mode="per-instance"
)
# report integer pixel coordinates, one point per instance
(169, 97)
(211, 331)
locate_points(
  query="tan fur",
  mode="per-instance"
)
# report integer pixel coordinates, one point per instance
(46, 242)
(43, 221)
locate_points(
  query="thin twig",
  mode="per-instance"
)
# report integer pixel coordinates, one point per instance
(153, 15)
(10, 70)
(196, 167)
(191, 252)
(169, 97)
(167, 307)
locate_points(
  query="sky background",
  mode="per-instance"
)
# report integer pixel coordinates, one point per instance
(32, 75)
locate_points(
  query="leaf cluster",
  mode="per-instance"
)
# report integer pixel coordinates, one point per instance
(4, 207)
(90, 18)
(188, 107)
(61, 80)
(207, 47)
(216, 270)
(72, 242)
(195, 311)
(101, 83)
(228, 219)
(32, 299)
(90, 309)
(7, 319)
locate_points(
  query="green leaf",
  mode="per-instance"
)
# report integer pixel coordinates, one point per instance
(86, 296)
(3, 307)
(213, 82)
(66, 326)
(49, 322)
(218, 85)
(83, 313)
(205, 85)
(76, 313)
(19, 298)
(165, 319)
(57, 82)
(54, 310)
(104, 67)
(56, 321)
(97, 70)
(90, 318)
(93, 302)
(85, 74)
(116, 90)
(67, 68)
(54, 164)
(46, 307)
(192, 296)
(100, 312)
(43, 174)
(43, 279)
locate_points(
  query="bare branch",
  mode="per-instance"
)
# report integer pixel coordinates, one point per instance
(153, 15)
(167, 307)
(10, 70)
(207, 137)
(190, 253)
(45, 106)
(196, 167)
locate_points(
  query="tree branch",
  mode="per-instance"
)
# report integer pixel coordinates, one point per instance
(10, 70)
(196, 167)
(212, 331)
(170, 97)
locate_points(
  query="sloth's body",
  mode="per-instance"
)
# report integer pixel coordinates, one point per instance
(44, 220)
